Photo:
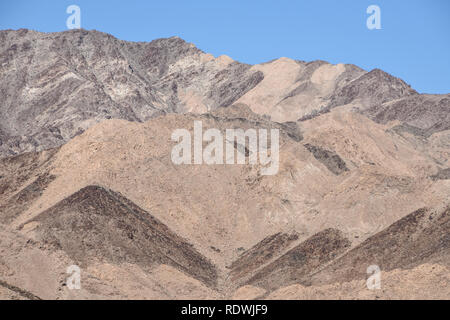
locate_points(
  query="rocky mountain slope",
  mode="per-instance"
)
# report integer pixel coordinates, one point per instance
(54, 86)
(86, 176)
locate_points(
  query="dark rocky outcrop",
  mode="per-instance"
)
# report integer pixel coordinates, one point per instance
(420, 237)
(97, 224)
(330, 159)
(421, 114)
(300, 262)
(372, 88)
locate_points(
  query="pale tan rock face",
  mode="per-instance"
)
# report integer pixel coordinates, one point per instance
(361, 155)
(292, 89)
(279, 81)
(248, 293)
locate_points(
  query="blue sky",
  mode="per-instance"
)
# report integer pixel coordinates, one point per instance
(413, 43)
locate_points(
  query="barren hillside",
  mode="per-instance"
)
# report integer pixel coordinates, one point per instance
(86, 175)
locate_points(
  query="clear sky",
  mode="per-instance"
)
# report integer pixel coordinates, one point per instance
(413, 42)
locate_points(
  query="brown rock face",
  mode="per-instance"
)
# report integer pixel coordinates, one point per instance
(298, 263)
(54, 86)
(83, 223)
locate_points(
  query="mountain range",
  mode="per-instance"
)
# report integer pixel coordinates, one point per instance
(86, 176)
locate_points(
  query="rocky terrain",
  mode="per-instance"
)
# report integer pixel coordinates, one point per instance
(86, 176)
